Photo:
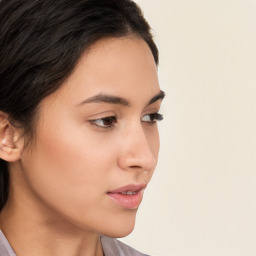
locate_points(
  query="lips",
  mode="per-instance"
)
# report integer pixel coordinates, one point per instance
(129, 196)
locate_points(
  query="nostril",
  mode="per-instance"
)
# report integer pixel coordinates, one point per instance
(135, 166)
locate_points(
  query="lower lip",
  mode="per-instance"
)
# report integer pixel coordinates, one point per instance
(127, 201)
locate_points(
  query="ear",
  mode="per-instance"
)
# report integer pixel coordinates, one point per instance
(10, 145)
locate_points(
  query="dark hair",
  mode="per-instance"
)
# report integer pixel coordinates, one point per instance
(41, 42)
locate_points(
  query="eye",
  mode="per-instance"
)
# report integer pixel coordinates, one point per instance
(152, 118)
(106, 122)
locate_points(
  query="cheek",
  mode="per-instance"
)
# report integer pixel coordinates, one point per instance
(65, 167)
(72, 145)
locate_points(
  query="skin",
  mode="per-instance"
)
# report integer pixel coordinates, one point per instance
(58, 202)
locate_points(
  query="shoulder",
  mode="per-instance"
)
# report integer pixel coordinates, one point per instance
(5, 248)
(112, 246)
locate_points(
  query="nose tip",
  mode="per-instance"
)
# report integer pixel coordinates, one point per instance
(138, 161)
(137, 153)
(145, 161)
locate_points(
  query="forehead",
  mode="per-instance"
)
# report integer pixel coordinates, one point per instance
(118, 66)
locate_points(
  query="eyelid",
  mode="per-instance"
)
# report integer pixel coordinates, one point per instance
(95, 122)
(156, 116)
(100, 115)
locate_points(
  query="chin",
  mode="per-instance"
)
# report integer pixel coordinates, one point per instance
(119, 228)
(119, 233)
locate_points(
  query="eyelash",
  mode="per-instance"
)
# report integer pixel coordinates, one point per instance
(153, 118)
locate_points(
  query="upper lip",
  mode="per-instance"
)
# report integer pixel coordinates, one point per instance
(130, 187)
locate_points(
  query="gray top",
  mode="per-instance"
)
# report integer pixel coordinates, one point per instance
(111, 247)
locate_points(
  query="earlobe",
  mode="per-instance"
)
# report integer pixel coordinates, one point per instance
(10, 151)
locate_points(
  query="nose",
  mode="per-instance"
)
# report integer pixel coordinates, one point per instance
(138, 150)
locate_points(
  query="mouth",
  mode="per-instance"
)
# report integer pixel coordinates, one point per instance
(129, 196)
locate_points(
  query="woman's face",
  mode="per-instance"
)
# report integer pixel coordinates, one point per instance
(97, 141)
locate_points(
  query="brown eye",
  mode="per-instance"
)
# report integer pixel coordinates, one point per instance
(106, 122)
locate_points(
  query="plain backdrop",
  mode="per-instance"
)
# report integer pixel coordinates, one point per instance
(202, 198)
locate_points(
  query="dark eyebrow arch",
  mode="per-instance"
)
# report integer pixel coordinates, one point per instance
(159, 96)
(105, 98)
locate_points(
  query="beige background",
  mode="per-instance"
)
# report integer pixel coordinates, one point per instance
(202, 199)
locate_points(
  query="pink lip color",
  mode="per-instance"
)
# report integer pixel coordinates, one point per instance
(128, 201)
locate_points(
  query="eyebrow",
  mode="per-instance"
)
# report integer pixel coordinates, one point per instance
(111, 99)
(159, 96)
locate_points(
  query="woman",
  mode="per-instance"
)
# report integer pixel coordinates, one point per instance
(79, 101)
